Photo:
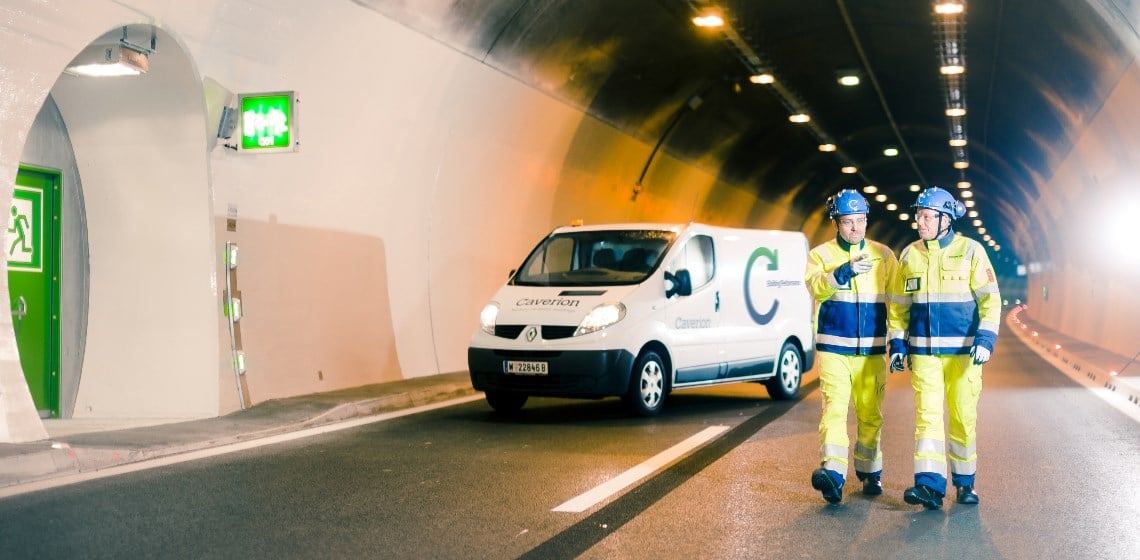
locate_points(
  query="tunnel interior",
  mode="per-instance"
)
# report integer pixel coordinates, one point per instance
(1035, 74)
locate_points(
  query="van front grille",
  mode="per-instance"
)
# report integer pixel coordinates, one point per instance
(549, 332)
(508, 331)
(552, 332)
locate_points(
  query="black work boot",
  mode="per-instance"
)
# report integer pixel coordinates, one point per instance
(966, 495)
(823, 482)
(872, 486)
(925, 495)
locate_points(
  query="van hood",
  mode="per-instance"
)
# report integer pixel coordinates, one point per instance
(538, 305)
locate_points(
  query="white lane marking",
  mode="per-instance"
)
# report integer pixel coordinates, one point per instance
(657, 462)
(45, 484)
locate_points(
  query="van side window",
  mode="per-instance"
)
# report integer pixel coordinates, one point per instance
(697, 257)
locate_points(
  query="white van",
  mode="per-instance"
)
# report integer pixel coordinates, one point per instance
(638, 310)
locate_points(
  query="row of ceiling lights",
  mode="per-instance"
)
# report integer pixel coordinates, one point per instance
(950, 27)
(950, 31)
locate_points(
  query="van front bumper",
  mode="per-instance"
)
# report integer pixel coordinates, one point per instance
(570, 373)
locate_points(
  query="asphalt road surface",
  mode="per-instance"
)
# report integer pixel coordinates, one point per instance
(1057, 479)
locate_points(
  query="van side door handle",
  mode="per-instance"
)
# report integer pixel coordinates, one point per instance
(717, 306)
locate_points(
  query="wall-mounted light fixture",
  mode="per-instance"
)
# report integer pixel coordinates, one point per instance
(108, 60)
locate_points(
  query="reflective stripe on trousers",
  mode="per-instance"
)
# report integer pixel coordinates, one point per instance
(958, 380)
(843, 380)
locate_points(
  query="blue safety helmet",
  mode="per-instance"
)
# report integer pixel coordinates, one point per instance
(937, 198)
(845, 202)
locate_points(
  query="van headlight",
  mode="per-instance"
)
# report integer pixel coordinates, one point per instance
(487, 317)
(601, 317)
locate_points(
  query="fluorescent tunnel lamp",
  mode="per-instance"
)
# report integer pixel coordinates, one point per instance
(109, 60)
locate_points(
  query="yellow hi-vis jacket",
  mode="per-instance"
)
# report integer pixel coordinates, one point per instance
(852, 316)
(944, 299)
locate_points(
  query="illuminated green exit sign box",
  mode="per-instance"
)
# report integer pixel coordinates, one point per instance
(268, 122)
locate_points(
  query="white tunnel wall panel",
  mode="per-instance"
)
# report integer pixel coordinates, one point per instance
(1092, 277)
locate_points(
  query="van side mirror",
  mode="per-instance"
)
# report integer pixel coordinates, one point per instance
(681, 284)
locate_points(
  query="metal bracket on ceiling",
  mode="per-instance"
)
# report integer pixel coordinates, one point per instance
(153, 48)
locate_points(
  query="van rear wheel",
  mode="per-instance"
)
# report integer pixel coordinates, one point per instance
(646, 394)
(789, 371)
(505, 402)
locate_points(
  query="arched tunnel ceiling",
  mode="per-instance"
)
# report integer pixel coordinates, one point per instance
(1037, 72)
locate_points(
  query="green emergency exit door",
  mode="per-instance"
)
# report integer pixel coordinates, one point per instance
(32, 243)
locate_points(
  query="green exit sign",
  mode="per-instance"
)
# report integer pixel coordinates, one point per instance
(268, 122)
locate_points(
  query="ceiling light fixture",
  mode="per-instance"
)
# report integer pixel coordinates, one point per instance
(827, 147)
(849, 78)
(890, 152)
(957, 142)
(949, 7)
(849, 169)
(892, 207)
(881, 198)
(710, 18)
(870, 189)
(799, 118)
(762, 78)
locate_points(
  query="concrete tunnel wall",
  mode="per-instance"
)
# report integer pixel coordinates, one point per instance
(423, 177)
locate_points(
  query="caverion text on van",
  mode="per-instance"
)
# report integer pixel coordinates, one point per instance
(640, 310)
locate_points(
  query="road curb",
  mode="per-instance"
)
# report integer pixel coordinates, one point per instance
(62, 459)
(1123, 395)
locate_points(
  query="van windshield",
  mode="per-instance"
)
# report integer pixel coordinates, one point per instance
(595, 258)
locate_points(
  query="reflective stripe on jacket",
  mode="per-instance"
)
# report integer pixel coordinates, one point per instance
(945, 298)
(852, 317)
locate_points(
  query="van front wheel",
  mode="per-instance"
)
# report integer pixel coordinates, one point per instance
(504, 402)
(646, 393)
(789, 369)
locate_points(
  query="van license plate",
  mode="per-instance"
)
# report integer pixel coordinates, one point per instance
(526, 368)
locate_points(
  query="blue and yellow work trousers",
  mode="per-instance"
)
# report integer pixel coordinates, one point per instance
(957, 381)
(844, 379)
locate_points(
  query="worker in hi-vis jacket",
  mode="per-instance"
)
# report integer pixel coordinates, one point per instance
(848, 277)
(944, 314)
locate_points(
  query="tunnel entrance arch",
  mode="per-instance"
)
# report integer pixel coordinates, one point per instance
(140, 332)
